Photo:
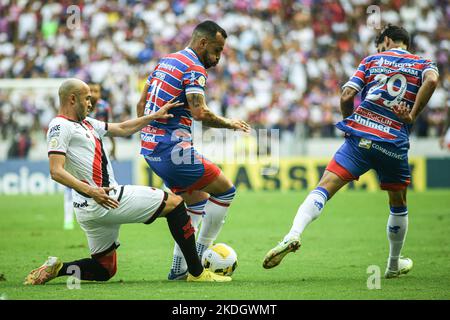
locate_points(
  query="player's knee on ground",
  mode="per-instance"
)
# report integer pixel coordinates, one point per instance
(109, 263)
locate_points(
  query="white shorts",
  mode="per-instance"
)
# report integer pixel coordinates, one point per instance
(137, 204)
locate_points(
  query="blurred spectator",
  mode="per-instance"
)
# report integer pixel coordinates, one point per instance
(283, 64)
(20, 145)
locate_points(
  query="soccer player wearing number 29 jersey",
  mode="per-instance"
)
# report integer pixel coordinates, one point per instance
(395, 86)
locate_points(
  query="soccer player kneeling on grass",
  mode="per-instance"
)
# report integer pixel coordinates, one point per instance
(396, 85)
(77, 160)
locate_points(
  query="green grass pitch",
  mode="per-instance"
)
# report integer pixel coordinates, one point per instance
(337, 249)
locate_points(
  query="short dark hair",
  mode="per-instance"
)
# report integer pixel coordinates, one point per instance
(209, 29)
(93, 83)
(395, 33)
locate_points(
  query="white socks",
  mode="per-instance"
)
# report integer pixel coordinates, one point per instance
(215, 212)
(308, 211)
(397, 228)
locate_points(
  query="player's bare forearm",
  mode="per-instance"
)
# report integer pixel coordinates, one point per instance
(424, 94)
(142, 101)
(129, 127)
(200, 112)
(347, 104)
(211, 120)
(60, 175)
(140, 108)
(346, 109)
(113, 148)
(132, 126)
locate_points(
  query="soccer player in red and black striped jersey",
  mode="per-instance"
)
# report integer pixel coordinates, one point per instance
(167, 145)
(77, 160)
(395, 86)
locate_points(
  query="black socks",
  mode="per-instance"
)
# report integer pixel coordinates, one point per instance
(86, 269)
(184, 234)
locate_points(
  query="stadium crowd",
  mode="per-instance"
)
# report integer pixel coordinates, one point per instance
(283, 65)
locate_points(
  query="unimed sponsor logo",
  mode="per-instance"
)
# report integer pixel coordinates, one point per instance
(371, 124)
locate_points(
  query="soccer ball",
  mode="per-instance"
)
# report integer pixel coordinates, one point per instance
(220, 258)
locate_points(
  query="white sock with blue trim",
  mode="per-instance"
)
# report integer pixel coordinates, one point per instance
(215, 212)
(308, 211)
(195, 211)
(397, 227)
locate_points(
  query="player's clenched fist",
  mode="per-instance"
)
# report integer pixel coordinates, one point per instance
(100, 195)
(240, 125)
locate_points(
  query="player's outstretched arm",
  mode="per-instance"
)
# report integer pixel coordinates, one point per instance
(127, 128)
(347, 104)
(142, 101)
(59, 174)
(201, 112)
(424, 94)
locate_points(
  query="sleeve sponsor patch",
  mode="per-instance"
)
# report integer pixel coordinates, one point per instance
(194, 78)
(202, 81)
(54, 131)
(53, 143)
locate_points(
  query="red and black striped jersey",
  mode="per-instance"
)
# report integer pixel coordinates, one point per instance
(81, 143)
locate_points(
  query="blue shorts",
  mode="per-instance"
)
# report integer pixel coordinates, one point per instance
(358, 155)
(183, 169)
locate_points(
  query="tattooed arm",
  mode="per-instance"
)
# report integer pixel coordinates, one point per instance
(201, 112)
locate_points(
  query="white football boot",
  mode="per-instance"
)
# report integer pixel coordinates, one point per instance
(404, 266)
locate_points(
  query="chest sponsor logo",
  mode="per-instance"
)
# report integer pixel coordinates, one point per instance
(378, 118)
(371, 124)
